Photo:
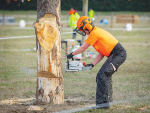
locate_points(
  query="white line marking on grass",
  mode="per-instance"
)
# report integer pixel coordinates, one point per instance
(66, 28)
(125, 29)
(104, 28)
(23, 28)
(141, 28)
(68, 32)
(33, 28)
(101, 105)
(29, 36)
(18, 37)
(74, 32)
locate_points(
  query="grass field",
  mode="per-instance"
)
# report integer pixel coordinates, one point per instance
(18, 69)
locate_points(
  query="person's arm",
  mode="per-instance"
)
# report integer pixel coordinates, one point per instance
(81, 49)
(98, 59)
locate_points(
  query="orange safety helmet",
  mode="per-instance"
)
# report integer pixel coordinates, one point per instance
(84, 23)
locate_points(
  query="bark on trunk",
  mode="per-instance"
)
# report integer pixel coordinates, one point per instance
(85, 8)
(48, 44)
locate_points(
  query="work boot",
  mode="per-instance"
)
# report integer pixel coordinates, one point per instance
(104, 105)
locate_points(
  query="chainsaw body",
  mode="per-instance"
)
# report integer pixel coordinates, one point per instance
(74, 66)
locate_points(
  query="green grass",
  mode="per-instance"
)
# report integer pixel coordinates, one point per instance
(18, 69)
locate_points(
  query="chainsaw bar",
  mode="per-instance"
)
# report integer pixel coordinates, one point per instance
(86, 68)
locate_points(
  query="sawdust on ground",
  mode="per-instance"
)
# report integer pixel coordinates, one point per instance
(28, 105)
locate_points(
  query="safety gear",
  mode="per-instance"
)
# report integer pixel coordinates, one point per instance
(91, 13)
(104, 105)
(72, 21)
(104, 76)
(70, 55)
(87, 65)
(84, 23)
(80, 32)
(77, 16)
(90, 66)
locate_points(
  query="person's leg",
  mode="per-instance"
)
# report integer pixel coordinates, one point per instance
(110, 90)
(119, 56)
(104, 82)
(117, 60)
(74, 33)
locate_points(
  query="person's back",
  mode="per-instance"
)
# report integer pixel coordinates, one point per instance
(72, 21)
(77, 16)
(102, 41)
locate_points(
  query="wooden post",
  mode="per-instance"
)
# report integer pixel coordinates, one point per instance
(111, 20)
(27, 16)
(3, 19)
(48, 45)
(85, 13)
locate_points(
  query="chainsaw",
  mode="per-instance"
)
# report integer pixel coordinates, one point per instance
(75, 66)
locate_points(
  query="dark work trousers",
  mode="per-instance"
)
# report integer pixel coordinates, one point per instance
(104, 76)
(74, 33)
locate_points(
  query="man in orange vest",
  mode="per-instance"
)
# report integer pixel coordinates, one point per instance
(106, 45)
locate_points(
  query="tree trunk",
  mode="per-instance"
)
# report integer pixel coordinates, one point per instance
(85, 8)
(48, 44)
(85, 13)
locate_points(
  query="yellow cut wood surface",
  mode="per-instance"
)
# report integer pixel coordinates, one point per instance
(47, 31)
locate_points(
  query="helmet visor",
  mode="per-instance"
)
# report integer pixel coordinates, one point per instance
(80, 32)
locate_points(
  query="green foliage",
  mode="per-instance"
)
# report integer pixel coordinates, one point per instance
(97, 5)
(18, 5)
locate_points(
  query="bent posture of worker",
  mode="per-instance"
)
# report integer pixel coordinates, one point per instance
(106, 45)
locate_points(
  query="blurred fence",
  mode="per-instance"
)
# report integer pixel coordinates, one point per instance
(28, 18)
(14, 19)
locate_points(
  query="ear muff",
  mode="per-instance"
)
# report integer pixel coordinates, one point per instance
(88, 26)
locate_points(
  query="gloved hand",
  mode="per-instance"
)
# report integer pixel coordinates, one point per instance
(70, 56)
(89, 65)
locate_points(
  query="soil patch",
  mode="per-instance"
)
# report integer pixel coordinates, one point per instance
(28, 105)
